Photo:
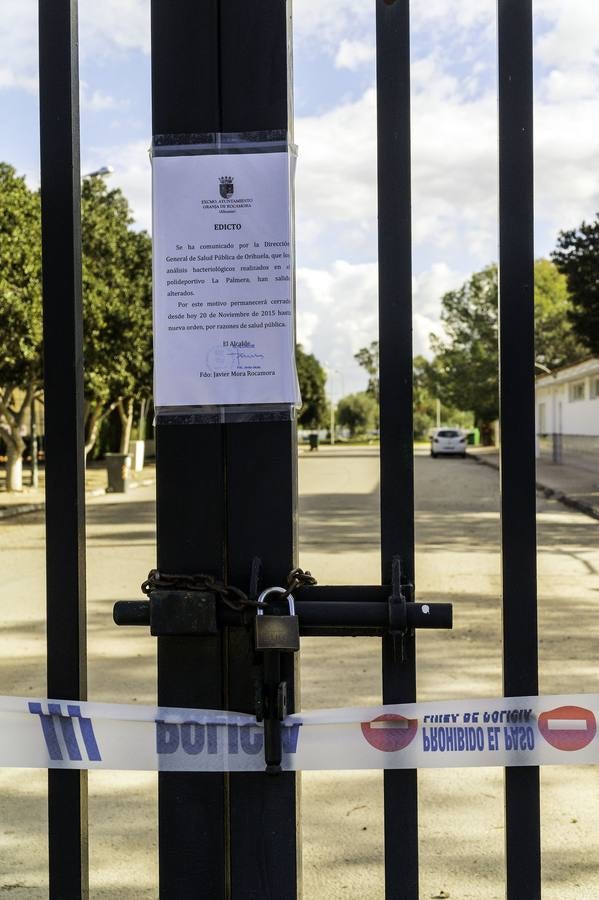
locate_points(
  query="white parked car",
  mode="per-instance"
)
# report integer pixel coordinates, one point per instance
(448, 441)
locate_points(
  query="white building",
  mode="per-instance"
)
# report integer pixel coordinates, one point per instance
(567, 413)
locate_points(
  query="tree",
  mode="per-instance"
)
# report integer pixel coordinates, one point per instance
(577, 257)
(20, 314)
(466, 361)
(556, 342)
(465, 369)
(312, 379)
(358, 412)
(368, 358)
(426, 394)
(117, 309)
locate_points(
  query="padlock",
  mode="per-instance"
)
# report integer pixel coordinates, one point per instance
(274, 632)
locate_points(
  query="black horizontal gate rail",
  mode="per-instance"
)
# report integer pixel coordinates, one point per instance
(223, 65)
(331, 611)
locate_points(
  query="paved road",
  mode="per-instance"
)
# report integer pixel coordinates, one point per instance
(457, 558)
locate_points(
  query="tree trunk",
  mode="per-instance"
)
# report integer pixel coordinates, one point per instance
(93, 420)
(14, 466)
(126, 416)
(14, 419)
(141, 430)
(91, 431)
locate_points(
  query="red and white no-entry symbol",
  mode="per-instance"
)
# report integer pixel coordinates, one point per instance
(390, 732)
(568, 727)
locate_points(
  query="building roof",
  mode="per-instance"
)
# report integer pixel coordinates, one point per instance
(570, 373)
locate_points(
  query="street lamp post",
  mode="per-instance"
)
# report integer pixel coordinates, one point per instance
(104, 170)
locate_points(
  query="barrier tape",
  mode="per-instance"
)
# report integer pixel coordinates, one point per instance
(514, 731)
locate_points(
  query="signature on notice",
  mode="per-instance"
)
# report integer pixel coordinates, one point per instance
(242, 360)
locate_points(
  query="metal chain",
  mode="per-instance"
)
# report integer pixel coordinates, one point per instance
(297, 578)
(232, 596)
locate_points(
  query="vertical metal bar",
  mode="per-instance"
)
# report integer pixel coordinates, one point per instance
(193, 826)
(261, 481)
(397, 442)
(518, 500)
(63, 393)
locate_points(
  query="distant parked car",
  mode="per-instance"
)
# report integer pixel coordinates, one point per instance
(448, 441)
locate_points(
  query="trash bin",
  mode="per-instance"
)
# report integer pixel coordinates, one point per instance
(313, 438)
(118, 466)
(474, 437)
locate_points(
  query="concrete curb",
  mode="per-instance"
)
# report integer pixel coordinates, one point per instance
(550, 493)
(21, 509)
(7, 512)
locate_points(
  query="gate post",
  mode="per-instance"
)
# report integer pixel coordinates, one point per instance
(225, 493)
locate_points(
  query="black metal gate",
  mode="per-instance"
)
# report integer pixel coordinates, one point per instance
(224, 66)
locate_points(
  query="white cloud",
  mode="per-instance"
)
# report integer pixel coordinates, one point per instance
(353, 54)
(454, 145)
(568, 87)
(328, 23)
(453, 14)
(568, 32)
(337, 166)
(10, 78)
(106, 28)
(114, 25)
(132, 173)
(429, 286)
(99, 101)
(454, 142)
(18, 45)
(337, 315)
(337, 312)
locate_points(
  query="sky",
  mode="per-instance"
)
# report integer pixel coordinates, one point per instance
(454, 143)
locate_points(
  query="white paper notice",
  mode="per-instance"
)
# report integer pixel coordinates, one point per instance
(223, 274)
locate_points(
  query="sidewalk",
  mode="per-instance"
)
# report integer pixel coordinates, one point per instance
(570, 485)
(33, 499)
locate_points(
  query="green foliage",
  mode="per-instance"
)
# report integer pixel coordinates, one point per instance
(20, 313)
(465, 370)
(425, 402)
(556, 343)
(466, 363)
(117, 301)
(358, 412)
(20, 282)
(577, 257)
(117, 305)
(426, 392)
(312, 379)
(368, 358)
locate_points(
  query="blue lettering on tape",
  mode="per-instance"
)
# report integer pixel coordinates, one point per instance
(194, 738)
(519, 737)
(69, 734)
(448, 739)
